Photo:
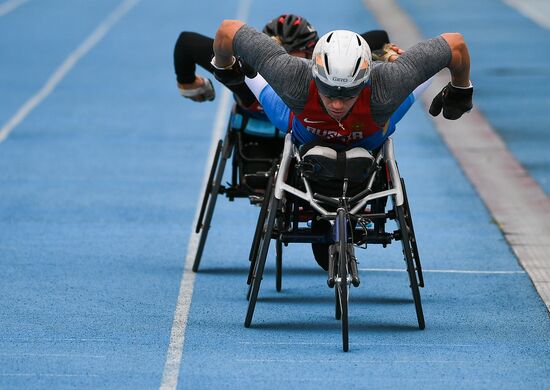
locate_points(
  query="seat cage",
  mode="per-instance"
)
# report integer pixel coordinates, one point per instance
(358, 202)
(252, 157)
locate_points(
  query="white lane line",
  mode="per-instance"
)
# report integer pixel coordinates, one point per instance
(516, 201)
(10, 5)
(66, 66)
(243, 9)
(445, 271)
(536, 10)
(177, 335)
(174, 355)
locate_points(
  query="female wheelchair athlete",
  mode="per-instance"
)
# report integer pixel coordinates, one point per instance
(256, 146)
(301, 190)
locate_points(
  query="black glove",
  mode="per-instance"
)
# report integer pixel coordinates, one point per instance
(235, 74)
(454, 102)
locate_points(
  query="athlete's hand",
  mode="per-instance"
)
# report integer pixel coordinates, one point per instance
(389, 52)
(397, 51)
(199, 90)
(454, 102)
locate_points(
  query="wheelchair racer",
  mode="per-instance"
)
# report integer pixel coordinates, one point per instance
(341, 96)
(292, 32)
(279, 114)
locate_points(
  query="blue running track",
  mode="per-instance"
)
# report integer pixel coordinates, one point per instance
(99, 185)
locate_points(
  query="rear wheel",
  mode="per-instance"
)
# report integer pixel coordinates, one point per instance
(408, 255)
(262, 215)
(210, 197)
(412, 237)
(260, 260)
(259, 232)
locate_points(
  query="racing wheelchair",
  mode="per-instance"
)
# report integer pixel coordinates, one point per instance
(322, 185)
(255, 145)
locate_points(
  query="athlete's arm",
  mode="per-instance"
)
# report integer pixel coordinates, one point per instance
(460, 59)
(223, 42)
(193, 49)
(455, 98)
(289, 76)
(274, 107)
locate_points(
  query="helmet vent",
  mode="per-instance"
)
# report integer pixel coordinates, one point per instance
(330, 36)
(358, 40)
(326, 63)
(356, 66)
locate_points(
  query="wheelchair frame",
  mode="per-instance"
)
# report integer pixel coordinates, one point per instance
(232, 145)
(276, 222)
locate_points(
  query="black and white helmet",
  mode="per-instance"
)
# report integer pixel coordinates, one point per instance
(292, 32)
(341, 64)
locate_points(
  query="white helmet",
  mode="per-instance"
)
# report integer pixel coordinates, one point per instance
(341, 64)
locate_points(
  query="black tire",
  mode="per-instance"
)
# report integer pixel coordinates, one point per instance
(338, 311)
(253, 270)
(342, 286)
(260, 261)
(407, 253)
(208, 189)
(279, 266)
(262, 215)
(259, 231)
(258, 236)
(208, 211)
(412, 236)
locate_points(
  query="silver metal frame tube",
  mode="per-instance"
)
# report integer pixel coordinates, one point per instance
(290, 152)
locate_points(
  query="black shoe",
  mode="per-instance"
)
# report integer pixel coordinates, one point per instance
(320, 251)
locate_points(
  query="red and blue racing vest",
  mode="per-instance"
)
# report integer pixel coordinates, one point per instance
(356, 126)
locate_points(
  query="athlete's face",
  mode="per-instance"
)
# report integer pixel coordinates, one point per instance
(338, 107)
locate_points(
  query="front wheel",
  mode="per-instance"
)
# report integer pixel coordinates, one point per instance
(342, 276)
(279, 265)
(344, 299)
